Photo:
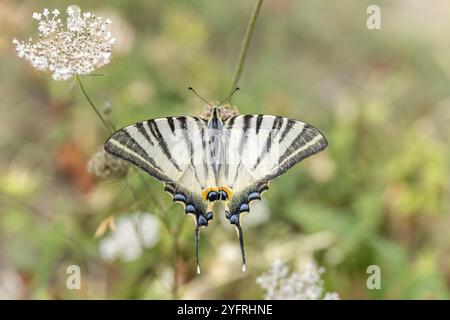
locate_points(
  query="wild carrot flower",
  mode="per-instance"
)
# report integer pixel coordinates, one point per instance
(79, 47)
(281, 284)
(132, 234)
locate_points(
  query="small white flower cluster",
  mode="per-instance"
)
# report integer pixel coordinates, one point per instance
(280, 284)
(11, 284)
(78, 48)
(132, 234)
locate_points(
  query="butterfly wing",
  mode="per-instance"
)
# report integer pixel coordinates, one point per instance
(260, 148)
(171, 150)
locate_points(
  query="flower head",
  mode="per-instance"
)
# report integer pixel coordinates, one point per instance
(104, 165)
(280, 284)
(132, 234)
(78, 48)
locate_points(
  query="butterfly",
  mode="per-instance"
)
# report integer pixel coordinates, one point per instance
(217, 158)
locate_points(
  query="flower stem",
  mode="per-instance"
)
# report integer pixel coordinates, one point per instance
(99, 115)
(245, 44)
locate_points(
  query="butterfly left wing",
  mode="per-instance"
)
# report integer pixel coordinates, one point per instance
(260, 148)
(170, 150)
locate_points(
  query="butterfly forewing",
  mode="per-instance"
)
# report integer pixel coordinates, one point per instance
(259, 148)
(169, 149)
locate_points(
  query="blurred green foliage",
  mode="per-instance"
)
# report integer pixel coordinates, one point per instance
(378, 195)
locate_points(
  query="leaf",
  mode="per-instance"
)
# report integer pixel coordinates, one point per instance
(103, 227)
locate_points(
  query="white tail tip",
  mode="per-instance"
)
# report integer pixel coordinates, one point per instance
(244, 268)
(198, 269)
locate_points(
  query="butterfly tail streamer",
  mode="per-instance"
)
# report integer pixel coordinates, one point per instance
(196, 248)
(241, 243)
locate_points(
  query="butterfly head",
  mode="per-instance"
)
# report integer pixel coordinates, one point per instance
(214, 112)
(220, 112)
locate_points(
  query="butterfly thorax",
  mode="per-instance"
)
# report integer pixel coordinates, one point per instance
(215, 118)
(215, 141)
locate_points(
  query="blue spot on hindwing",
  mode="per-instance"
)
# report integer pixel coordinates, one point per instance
(190, 208)
(234, 219)
(202, 221)
(179, 197)
(244, 208)
(254, 196)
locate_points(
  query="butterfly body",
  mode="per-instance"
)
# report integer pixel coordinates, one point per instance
(229, 159)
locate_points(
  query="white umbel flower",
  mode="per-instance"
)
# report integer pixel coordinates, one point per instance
(132, 234)
(77, 48)
(280, 284)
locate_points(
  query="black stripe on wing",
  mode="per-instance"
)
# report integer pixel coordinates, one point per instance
(201, 129)
(141, 129)
(307, 143)
(246, 126)
(290, 123)
(123, 145)
(259, 121)
(154, 129)
(227, 132)
(276, 126)
(190, 147)
(171, 124)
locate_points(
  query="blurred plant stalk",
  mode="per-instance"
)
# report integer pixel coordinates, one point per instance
(91, 103)
(245, 44)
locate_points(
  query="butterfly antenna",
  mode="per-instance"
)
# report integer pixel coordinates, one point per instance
(204, 100)
(241, 243)
(196, 249)
(227, 98)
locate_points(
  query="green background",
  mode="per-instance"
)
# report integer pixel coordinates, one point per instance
(378, 195)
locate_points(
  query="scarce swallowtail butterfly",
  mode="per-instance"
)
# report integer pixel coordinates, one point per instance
(218, 158)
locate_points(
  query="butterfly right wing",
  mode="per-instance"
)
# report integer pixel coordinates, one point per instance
(260, 148)
(170, 150)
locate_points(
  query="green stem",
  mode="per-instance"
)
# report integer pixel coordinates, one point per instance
(245, 44)
(99, 115)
